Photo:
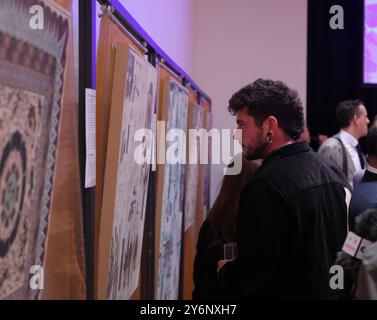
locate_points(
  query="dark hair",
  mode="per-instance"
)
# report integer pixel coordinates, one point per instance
(372, 141)
(366, 224)
(346, 110)
(223, 214)
(265, 98)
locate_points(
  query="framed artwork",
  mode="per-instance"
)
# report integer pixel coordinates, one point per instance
(109, 35)
(126, 180)
(171, 194)
(196, 121)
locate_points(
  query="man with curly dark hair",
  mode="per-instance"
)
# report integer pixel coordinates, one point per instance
(267, 101)
(292, 215)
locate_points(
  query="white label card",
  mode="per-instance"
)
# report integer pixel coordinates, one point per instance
(90, 137)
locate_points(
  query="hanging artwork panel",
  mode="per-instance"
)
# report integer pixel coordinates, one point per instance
(127, 172)
(175, 109)
(32, 73)
(197, 115)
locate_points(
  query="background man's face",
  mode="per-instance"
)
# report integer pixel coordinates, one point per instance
(253, 143)
(362, 121)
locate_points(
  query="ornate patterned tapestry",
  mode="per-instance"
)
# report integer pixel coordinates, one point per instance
(32, 65)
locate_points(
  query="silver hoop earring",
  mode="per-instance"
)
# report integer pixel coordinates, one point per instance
(269, 138)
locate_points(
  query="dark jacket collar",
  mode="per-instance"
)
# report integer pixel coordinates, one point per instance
(287, 151)
(369, 177)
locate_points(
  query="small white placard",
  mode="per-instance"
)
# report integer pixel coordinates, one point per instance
(351, 244)
(363, 245)
(154, 142)
(90, 137)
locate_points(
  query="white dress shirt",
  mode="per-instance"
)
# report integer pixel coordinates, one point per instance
(371, 169)
(350, 143)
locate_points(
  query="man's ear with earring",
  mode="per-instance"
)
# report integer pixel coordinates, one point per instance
(269, 137)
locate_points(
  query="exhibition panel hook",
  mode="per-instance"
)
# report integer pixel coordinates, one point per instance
(110, 10)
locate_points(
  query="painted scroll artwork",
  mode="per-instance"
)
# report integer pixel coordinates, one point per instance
(173, 202)
(192, 170)
(32, 67)
(132, 179)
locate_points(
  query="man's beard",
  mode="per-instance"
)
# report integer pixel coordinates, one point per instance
(256, 153)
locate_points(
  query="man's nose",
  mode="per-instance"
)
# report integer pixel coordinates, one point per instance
(237, 135)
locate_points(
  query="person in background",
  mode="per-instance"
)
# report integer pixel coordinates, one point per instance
(217, 230)
(292, 216)
(316, 141)
(360, 275)
(313, 141)
(344, 148)
(305, 135)
(365, 194)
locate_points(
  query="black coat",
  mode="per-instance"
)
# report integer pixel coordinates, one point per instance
(292, 221)
(206, 281)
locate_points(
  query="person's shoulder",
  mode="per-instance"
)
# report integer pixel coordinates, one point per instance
(329, 168)
(367, 187)
(363, 197)
(264, 182)
(357, 177)
(330, 142)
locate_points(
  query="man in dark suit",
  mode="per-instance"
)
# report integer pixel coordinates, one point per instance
(292, 215)
(365, 195)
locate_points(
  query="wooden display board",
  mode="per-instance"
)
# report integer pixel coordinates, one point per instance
(167, 285)
(64, 275)
(191, 233)
(110, 35)
(126, 181)
(206, 105)
(41, 223)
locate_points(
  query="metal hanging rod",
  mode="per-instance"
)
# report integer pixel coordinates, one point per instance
(204, 98)
(110, 10)
(132, 28)
(188, 85)
(162, 63)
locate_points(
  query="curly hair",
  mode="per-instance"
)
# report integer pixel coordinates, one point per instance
(265, 98)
